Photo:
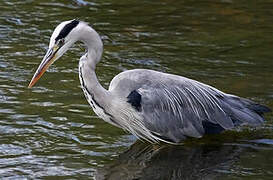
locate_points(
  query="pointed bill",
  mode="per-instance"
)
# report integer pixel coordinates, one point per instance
(48, 59)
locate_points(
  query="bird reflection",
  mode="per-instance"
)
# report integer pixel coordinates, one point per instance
(146, 161)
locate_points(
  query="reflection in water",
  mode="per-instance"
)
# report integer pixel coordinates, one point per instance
(145, 161)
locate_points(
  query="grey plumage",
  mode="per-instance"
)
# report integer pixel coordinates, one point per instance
(174, 107)
(152, 105)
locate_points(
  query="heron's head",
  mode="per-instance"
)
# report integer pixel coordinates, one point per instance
(63, 37)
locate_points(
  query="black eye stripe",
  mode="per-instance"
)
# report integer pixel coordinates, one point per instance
(67, 29)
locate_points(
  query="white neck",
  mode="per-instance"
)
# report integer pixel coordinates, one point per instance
(94, 92)
(93, 42)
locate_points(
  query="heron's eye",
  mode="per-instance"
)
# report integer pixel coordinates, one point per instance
(61, 42)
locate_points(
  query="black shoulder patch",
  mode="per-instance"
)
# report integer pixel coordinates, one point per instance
(211, 128)
(66, 29)
(134, 98)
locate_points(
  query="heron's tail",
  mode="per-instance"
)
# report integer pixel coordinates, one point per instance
(244, 111)
(258, 108)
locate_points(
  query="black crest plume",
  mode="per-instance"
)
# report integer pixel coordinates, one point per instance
(66, 29)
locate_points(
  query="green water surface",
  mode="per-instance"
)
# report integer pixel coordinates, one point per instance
(50, 132)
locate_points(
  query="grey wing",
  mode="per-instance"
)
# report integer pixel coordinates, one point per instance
(190, 108)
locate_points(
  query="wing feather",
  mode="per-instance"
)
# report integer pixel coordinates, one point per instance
(179, 110)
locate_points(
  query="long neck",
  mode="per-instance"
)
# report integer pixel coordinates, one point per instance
(87, 67)
(94, 45)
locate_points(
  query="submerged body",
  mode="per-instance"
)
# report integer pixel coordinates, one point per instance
(152, 105)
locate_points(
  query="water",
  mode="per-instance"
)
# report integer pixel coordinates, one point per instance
(50, 131)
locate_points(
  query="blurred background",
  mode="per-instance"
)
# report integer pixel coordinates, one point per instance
(50, 131)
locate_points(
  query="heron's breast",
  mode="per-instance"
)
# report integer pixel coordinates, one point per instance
(96, 107)
(99, 110)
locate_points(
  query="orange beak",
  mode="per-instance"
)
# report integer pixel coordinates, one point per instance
(46, 62)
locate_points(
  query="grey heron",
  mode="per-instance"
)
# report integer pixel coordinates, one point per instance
(153, 106)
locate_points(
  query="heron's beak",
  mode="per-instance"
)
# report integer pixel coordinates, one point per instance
(48, 59)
